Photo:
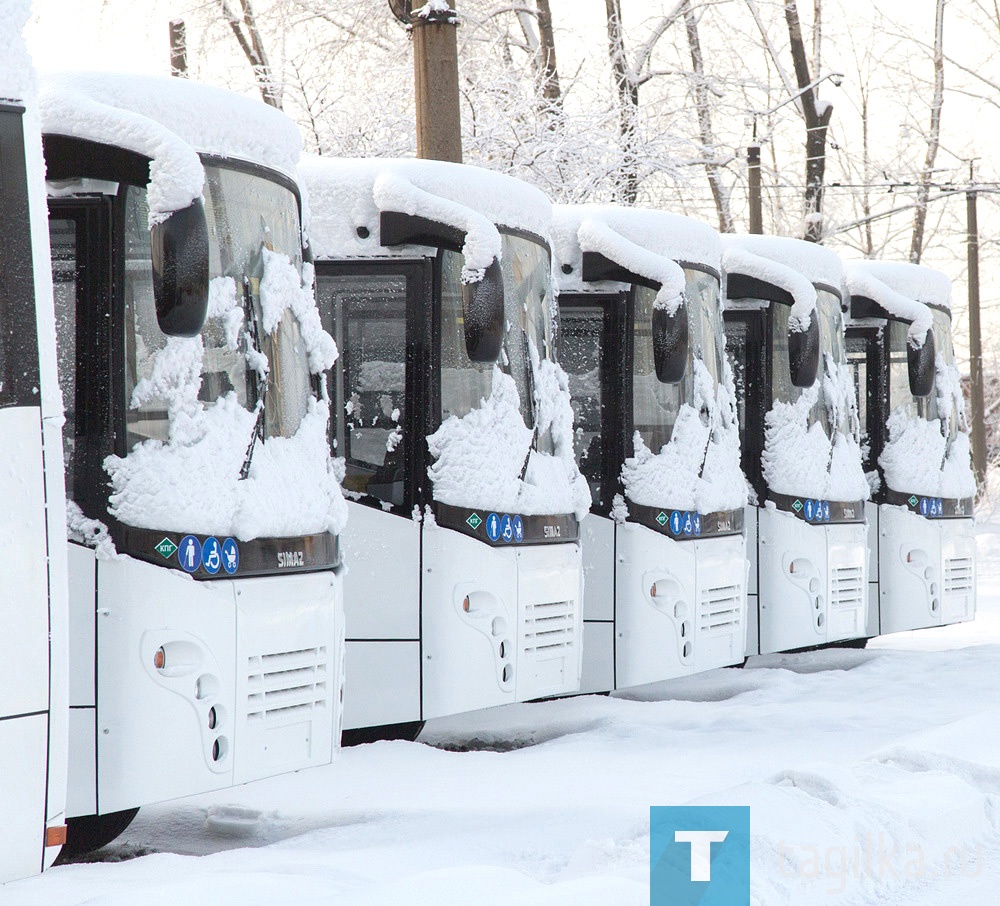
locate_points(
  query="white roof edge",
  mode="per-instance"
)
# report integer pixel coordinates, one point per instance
(736, 258)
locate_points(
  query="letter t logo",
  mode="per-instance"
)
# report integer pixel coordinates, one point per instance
(701, 850)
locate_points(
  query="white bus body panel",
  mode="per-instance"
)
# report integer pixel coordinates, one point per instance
(598, 534)
(813, 581)
(522, 635)
(382, 614)
(24, 646)
(927, 570)
(264, 652)
(697, 619)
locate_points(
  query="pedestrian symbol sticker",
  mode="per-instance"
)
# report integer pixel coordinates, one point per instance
(190, 553)
(810, 507)
(166, 548)
(230, 556)
(518, 530)
(507, 528)
(211, 555)
(493, 527)
(675, 522)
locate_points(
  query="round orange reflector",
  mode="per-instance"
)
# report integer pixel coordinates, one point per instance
(160, 659)
(466, 604)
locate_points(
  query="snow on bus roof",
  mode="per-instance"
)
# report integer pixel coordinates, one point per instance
(647, 242)
(170, 121)
(16, 74)
(897, 288)
(347, 196)
(793, 265)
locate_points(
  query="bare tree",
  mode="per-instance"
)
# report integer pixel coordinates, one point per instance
(933, 138)
(248, 36)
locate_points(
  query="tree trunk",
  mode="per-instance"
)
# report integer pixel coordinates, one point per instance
(551, 90)
(933, 139)
(708, 148)
(251, 42)
(817, 116)
(627, 182)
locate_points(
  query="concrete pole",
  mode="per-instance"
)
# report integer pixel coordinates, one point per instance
(975, 345)
(435, 79)
(753, 185)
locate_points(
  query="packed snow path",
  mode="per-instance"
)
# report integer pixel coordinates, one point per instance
(873, 777)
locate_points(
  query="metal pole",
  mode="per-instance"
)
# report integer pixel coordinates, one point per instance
(435, 79)
(178, 48)
(975, 345)
(753, 185)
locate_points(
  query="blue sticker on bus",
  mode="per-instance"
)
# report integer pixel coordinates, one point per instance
(826, 510)
(493, 527)
(518, 530)
(507, 528)
(810, 510)
(688, 524)
(676, 526)
(211, 555)
(230, 556)
(189, 553)
(697, 523)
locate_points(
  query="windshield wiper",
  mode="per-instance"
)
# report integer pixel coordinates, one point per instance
(259, 385)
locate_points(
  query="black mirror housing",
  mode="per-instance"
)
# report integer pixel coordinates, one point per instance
(920, 366)
(670, 344)
(180, 253)
(483, 315)
(803, 354)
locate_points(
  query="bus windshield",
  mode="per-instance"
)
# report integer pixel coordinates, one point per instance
(252, 344)
(655, 405)
(528, 337)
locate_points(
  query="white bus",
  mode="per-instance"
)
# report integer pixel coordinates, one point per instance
(899, 346)
(190, 358)
(799, 426)
(33, 614)
(454, 421)
(656, 436)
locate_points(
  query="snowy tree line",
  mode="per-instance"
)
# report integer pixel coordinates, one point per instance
(866, 118)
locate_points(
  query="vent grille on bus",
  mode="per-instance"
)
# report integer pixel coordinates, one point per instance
(719, 608)
(847, 587)
(549, 627)
(286, 683)
(957, 576)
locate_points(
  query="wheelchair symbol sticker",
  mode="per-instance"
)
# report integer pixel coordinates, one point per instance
(211, 555)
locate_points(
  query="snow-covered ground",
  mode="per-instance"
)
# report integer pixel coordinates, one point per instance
(872, 776)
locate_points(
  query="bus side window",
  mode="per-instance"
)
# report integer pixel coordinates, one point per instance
(63, 240)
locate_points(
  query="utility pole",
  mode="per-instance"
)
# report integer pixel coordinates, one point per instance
(975, 342)
(178, 48)
(753, 186)
(435, 80)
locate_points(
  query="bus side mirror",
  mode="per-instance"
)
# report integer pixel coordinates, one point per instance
(483, 315)
(180, 271)
(670, 344)
(920, 366)
(803, 354)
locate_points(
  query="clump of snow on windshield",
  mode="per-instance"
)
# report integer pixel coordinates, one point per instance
(170, 121)
(931, 457)
(347, 197)
(91, 532)
(699, 468)
(800, 459)
(191, 482)
(863, 280)
(480, 457)
(647, 243)
(793, 265)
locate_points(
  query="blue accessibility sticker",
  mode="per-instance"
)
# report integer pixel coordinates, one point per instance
(230, 556)
(688, 524)
(211, 555)
(676, 522)
(826, 510)
(518, 529)
(810, 510)
(493, 527)
(189, 553)
(696, 518)
(507, 528)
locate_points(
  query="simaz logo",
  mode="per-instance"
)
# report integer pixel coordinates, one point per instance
(552, 531)
(288, 559)
(848, 512)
